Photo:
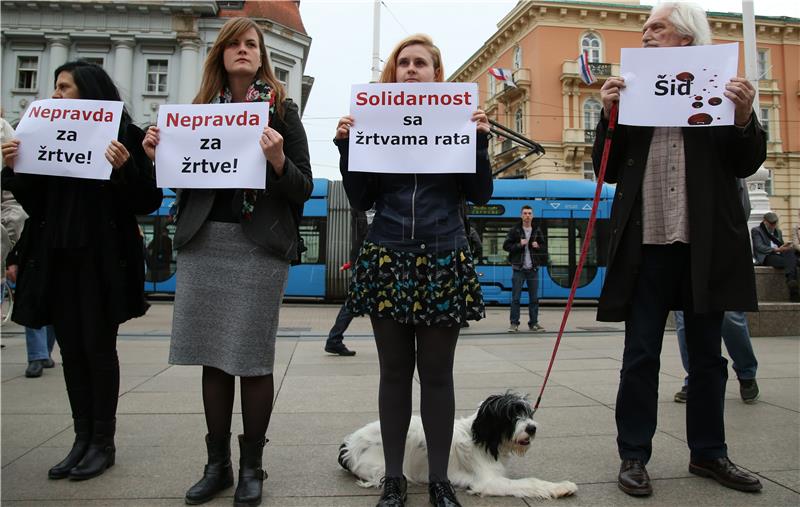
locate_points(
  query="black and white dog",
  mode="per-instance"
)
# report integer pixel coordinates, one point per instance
(482, 444)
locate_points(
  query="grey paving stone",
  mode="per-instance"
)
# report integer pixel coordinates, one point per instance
(788, 478)
(555, 396)
(679, 492)
(32, 430)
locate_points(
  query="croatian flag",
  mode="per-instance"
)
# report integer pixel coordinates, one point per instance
(503, 75)
(584, 70)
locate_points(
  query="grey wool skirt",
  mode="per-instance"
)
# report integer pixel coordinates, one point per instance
(227, 299)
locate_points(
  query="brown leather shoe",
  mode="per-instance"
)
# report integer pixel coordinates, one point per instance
(633, 478)
(726, 473)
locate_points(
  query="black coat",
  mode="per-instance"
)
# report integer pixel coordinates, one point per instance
(513, 245)
(278, 208)
(114, 235)
(721, 264)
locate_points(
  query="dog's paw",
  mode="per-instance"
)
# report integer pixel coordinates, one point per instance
(565, 488)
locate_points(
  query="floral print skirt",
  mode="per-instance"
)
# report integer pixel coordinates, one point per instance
(431, 289)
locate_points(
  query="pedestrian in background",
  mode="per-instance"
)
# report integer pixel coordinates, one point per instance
(247, 238)
(416, 280)
(358, 231)
(526, 251)
(81, 268)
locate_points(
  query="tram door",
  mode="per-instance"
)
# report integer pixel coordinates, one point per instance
(565, 231)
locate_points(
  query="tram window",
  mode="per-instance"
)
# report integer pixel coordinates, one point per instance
(589, 270)
(312, 230)
(493, 234)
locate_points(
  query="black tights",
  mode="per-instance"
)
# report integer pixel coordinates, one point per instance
(397, 354)
(218, 392)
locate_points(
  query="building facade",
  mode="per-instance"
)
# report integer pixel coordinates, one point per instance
(153, 49)
(540, 41)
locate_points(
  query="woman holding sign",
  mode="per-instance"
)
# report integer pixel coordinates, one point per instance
(234, 249)
(415, 279)
(81, 267)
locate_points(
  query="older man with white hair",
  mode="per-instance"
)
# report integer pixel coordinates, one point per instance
(678, 242)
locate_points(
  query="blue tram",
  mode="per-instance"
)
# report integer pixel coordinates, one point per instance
(561, 210)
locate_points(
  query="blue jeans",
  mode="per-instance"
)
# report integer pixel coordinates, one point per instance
(736, 336)
(39, 342)
(532, 277)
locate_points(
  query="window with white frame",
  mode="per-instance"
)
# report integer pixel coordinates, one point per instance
(282, 75)
(765, 120)
(27, 72)
(590, 44)
(588, 171)
(518, 121)
(492, 85)
(97, 60)
(157, 71)
(763, 63)
(591, 113)
(517, 57)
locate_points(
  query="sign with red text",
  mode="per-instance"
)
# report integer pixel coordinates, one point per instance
(67, 137)
(677, 87)
(211, 146)
(413, 128)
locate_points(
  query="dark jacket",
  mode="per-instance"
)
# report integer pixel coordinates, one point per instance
(721, 265)
(417, 212)
(762, 244)
(513, 245)
(278, 208)
(114, 233)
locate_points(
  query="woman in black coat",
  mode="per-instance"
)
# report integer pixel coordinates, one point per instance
(81, 268)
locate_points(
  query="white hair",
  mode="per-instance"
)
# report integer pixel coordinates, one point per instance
(689, 19)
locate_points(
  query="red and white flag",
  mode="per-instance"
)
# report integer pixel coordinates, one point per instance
(504, 75)
(584, 70)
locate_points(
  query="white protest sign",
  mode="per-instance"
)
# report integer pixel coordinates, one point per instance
(677, 87)
(211, 146)
(413, 128)
(67, 137)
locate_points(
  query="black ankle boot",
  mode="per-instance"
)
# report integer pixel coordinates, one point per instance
(100, 455)
(251, 475)
(218, 473)
(83, 434)
(442, 494)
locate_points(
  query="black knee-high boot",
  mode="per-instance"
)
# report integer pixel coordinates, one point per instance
(251, 475)
(218, 473)
(83, 435)
(101, 453)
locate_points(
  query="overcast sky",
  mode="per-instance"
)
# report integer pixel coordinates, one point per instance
(341, 52)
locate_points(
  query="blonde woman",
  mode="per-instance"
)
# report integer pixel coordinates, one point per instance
(415, 279)
(234, 249)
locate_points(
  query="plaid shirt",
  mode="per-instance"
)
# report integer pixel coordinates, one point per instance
(665, 207)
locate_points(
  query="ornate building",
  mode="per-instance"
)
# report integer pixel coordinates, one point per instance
(540, 41)
(153, 49)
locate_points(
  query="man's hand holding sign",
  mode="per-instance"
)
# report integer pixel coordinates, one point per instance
(63, 137)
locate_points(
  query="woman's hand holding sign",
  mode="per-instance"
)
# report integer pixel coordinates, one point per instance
(741, 93)
(150, 142)
(117, 154)
(343, 127)
(272, 144)
(609, 93)
(10, 150)
(482, 121)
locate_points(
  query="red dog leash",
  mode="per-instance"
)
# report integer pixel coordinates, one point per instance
(612, 122)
